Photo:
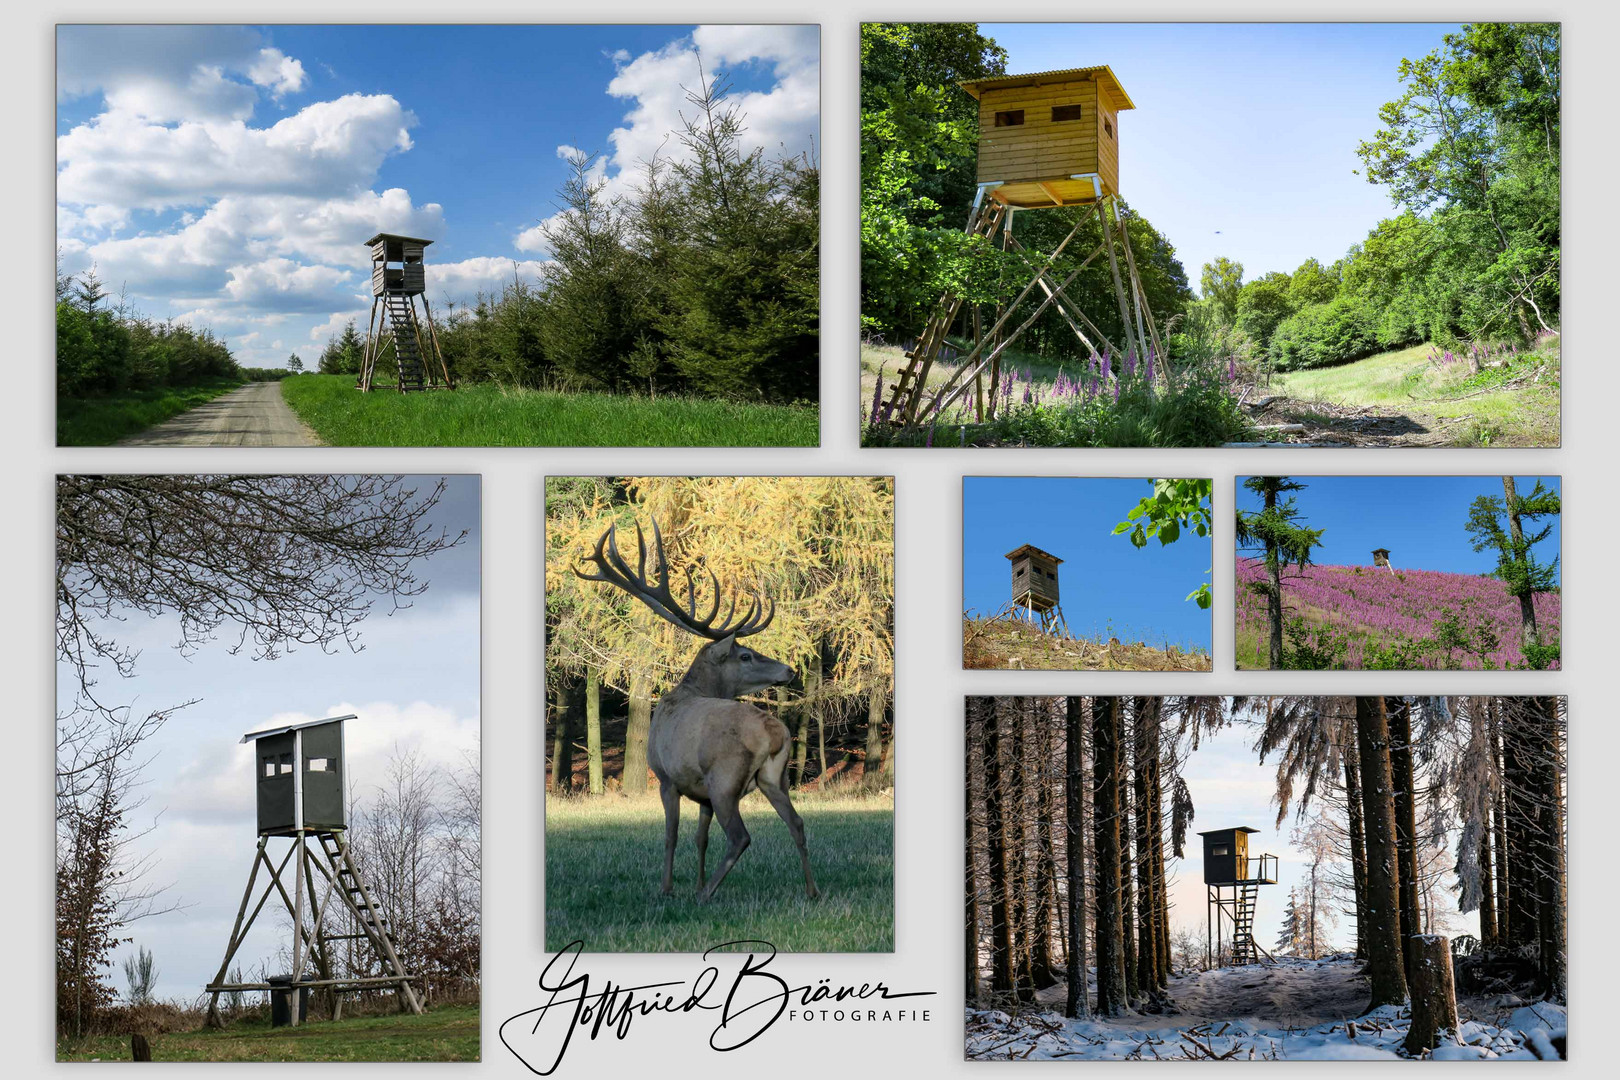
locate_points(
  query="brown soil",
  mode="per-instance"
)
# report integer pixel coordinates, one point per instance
(1327, 424)
(1009, 644)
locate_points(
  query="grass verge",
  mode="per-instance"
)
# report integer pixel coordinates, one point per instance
(102, 421)
(604, 859)
(488, 415)
(449, 1033)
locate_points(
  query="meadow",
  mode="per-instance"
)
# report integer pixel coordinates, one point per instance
(445, 1033)
(486, 414)
(604, 860)
(102, 421)
(1368, 617)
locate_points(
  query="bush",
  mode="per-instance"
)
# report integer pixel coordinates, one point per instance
(1332, 333)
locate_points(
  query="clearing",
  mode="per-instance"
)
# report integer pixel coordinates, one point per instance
(251, 415)
(1408, 398)
(1294, 1009)
(484, 414)
(1013, 644)
(604, 859)
(446, 1033)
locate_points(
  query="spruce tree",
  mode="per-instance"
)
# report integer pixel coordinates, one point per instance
(1275, 531)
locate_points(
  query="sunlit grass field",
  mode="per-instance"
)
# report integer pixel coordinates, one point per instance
(487, 415)
(449, 1033)
(103, 421)
(604, 861)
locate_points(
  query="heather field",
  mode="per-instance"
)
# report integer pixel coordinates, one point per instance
(1362, 617)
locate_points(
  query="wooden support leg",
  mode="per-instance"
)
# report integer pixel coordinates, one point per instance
(1119, 289)
(213, 1019)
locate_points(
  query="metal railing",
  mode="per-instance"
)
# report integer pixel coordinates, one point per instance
(1261, 868)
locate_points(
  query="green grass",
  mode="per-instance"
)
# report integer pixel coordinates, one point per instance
(604, 859)
(102, 421)
(487, 415)
(1406, 381)
(449, 1033)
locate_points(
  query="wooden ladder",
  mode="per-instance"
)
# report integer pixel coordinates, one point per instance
(374, 925)
(407, 349)
(1243, 943)
(905, 397)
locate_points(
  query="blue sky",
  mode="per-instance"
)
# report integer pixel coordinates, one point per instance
(414, 686)
(228, 175)
(1421, 519)
(1105, 582)
(1243, 140)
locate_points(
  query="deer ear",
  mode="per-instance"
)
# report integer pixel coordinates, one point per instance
(727, 643)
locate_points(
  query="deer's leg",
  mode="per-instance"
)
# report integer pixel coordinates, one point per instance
(771, 785)
(672, 832)
(705, 815)
(737, 838)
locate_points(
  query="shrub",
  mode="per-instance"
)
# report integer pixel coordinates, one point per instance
(1332, 333)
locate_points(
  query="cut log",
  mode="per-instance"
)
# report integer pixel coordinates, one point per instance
(1434, 1000)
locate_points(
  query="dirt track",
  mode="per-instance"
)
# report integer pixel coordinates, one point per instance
(252, 415)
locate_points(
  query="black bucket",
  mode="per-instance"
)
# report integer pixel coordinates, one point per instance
(281, 993)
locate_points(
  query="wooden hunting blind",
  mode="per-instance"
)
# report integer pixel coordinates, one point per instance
(1380, 556)
(1043, 137)
(398, 278)
(299, 794)
(1046, 141)
(1034, 578)
(1232, 879)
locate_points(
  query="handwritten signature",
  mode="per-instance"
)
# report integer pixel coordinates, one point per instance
(755, 999)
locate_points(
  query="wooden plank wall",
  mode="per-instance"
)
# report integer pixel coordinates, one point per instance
(1039, 148)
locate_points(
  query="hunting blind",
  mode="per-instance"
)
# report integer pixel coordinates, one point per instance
(1381, 558)
(1035, 585)
(299, 794)
(398, 279)
(1232, 878)
(1046, 141)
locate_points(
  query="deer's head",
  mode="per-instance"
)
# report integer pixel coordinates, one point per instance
(727, 667)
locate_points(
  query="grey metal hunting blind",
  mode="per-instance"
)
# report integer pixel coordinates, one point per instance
(398, 279)
(299, 773)
(1233, 878)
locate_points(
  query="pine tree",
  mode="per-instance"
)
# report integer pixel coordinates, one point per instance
(1275, 532)
(1516, 563)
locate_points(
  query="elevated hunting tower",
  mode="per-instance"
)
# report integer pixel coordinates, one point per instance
(1043, 137)
(398, 279)
(1233, 878)
(1381, 558)
(1048, 140)
(299, 795)
(1035, 585)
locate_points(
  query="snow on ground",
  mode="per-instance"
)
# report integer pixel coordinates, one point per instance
(1295, 1009)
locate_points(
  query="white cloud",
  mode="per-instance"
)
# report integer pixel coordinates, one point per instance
(277, 72)
(284, 285)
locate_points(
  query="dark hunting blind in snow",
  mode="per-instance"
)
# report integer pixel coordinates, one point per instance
(398, 279)
(299, 775)
(1046, 141)
(1233, 878)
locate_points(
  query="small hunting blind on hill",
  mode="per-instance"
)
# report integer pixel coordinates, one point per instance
(299, 771)
(1034, 578)
(1043, 137)
(1380, 556)
(394, 332)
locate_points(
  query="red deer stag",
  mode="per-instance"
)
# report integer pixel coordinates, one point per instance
(704, 743)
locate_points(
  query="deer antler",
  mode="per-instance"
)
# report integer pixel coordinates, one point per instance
(655, 593)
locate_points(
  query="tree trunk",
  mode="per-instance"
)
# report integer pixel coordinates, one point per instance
(1553, 945)
(593, 731)
(872, 765)
(1161, 893)
(1274, 611)
(1401, 773)
(1041, 968)
(1105, 827)
(1147, 941)
(1358, 840)
(1520, 748)
(635, 735)
(1001, 945)
(1381, 927)
(1487, 887)
(801, 748)
(1015, 814)
(1074, 846)
(1127, 883)
(1499, 833)
(970, 950)
(1528, 631)
(1434, 1001)
(562, 744)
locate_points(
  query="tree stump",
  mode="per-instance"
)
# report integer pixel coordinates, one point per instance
(139, 1048)
(1434, 999)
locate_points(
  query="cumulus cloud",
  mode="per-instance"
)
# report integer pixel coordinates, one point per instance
(277, 72)
(783, 118)
(171, 73)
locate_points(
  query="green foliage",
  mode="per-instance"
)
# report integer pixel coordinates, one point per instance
(102, 421)
(1173, 506)
(344, 353)
(1516, 562)
(491, 415)
(1274, 530)
(1312, 647)
(103, 350)
(1262, 304)
(1221, 283)
(1338, 331)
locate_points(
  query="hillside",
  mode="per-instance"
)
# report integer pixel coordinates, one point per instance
(1430, 619)
(1010, 644)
